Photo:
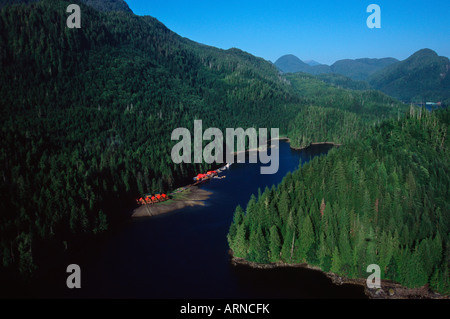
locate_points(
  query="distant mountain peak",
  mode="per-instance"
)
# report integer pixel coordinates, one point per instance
(424, 52)
(357, 69)
(421, 77)
(289, 56)
(289, 63)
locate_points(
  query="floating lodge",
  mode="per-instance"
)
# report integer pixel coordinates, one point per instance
(158, 198)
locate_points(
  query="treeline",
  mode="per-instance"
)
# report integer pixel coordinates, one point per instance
(422, 77)
(382, 199)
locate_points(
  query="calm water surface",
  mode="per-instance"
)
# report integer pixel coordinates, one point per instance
(184, 254)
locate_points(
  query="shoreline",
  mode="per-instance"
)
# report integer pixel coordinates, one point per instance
(191, 196)
(312, 144)
(194, 196)
(389, 289)
(288, 140)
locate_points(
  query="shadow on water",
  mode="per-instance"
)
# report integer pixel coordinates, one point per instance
(184, 254)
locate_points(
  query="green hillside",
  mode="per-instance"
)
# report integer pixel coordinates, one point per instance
(291, 64)
(108, 5)
(381, 199)
(87, 114)
(342, 81)
(358, 69)
(101, 5)
(361, 69)
(423, 77)
(86, 117)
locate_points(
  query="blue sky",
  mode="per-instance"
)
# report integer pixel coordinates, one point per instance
(323, 30)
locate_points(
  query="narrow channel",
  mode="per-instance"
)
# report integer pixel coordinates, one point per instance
(184, 254)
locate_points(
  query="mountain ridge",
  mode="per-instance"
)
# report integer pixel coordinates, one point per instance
(356, 69)
(423, 76)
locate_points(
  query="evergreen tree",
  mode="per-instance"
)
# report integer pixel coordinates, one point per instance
(239, 245)
(336, 262)
(306, 239)
(274, 244)
(258, 247)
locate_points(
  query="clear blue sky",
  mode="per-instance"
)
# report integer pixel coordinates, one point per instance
(322, 30)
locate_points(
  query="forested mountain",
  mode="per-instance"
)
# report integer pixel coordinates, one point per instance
(101, 5)
(86, 116)
(423, 77)
(342, 81)
(381, 199)
(369, 104)
(109, 5)
(335, 114)
(361, 69)
(358, 69)
(290, 64)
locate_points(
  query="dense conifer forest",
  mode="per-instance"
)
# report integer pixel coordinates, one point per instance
(87, 116)
(381, 199)
(86, 119)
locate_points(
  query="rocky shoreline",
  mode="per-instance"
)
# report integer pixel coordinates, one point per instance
(388, 290)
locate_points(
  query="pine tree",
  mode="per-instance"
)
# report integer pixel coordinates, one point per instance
(336, 262)
(306, 239)
(418, 276)
(386, 248)
(288, 240)
(26, 264)
(237, 220)
(251, 211)
(258, 247)
(435, 281)
(371, 257)
(274, 244)
(283, 206)
(324, 254)
(345, 252)
(239, 245)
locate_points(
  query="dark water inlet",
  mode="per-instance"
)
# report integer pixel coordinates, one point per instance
(184, 254)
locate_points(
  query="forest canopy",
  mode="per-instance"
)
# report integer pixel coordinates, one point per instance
(381, 199)
(86, 118)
